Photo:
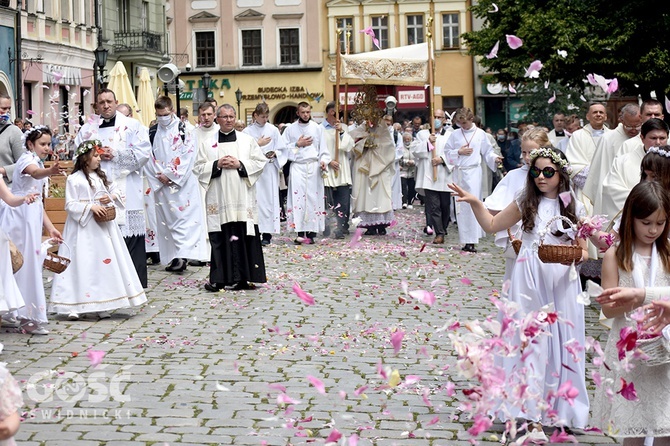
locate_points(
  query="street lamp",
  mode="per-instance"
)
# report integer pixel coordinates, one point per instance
(101, 61)
(238, 96)
(206, 82)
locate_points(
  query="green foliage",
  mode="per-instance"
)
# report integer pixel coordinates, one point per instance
(537, 108)
(615, 38)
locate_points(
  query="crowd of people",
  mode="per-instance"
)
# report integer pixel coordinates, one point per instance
(216, 192)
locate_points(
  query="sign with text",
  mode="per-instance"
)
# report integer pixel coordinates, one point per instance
(412, 97)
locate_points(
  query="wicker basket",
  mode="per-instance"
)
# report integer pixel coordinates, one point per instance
(56, 263)
(17, 257)
(656, 349)
(564, 254)
(110, 210)
(516, 243)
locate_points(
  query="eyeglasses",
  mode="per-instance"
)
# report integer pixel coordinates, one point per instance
(548, 172)
(228, 117)
(634, 127)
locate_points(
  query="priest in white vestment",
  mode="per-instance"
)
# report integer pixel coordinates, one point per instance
(305, 205)
(337, 182)
(601, 164)
(583, 144)
(176, 191)
(626, 169)
(229, 170)
(557, 134)
(464, 150)
(206, 134)
(126, 150)
(267, 188)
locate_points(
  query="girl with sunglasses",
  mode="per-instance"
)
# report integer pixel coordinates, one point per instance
(538, 370)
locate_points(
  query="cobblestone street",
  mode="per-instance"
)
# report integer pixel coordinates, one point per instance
(199, 368)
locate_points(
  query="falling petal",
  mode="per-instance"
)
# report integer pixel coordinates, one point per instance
(233, 238)
(425, 297)
(613, 86)
(107, 261)
(494, 51)
(513, 41)
(353, 440)
(511, 89)
(317, 383)
(582, 98)
(552, 99)
(396, 340)
(546, 85)
(394, 379)
(466, 281)
(628, 390)
(562, 53)
(334, 436)
(221, 388)
(302, 295)
(95, 357)
(566, 198)
(533, 70)
(495, 8)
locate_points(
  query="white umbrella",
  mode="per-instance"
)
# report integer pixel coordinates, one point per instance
(145, 99)
(120, 85)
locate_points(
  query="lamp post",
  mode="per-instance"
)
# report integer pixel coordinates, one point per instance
(238, 96)
(206, 82)
(101, 61)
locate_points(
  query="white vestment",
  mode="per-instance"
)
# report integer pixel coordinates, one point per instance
(396, 185)
(423, 155)
(180, 227)
(343, 177)
(625, 174)
(227, 199)
(129, 140)
(305, 202)
(267, 186)
(630, 145)
(101, 275)
(580, 150)
(373, 174)
(487, 175)
(553, 139)
(205, 137)
(468, 175)
(601, 165)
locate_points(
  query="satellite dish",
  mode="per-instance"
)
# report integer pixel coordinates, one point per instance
(168, 72)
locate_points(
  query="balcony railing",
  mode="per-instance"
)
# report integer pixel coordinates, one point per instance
(133, 41)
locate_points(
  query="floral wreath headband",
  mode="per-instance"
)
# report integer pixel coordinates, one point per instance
(659, 151)
(38, 128)
(89, 145)
(548, 152)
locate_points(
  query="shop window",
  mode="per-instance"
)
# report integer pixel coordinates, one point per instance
(451, 103)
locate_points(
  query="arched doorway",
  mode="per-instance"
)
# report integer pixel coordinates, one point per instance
(285, 115)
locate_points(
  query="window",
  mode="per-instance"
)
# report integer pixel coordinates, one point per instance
(380, 26)
(144, 17)
(289, 46)
(451, 103)
(252, 49)
(123, 8)
(346, 24)
(414, 29)
(450, 31)
(204, 49)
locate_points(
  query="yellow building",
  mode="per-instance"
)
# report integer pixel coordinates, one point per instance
(265, 50)
(398, 23)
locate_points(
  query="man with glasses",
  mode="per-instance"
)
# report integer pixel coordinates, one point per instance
(228, 170)
(650, 108)
(629, 126)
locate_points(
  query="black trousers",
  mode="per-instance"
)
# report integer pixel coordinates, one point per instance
(338, 205)
(138, 253)
(438, 208)
(408, 191)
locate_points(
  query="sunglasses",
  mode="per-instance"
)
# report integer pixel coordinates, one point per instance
(548, 172)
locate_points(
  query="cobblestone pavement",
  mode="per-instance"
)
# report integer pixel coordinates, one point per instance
(201, 368)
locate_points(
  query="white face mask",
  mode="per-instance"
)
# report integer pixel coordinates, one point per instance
(164, 120)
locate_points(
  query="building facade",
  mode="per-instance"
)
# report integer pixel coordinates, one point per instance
(257, 50)
(7, 62)
(399, 23)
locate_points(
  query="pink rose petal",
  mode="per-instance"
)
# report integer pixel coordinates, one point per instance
(396, 340)
(317, 383)
(513, 41)
(302, 295)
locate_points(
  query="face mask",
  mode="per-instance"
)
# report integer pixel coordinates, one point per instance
(438, 123)
(4, 118)
(501, 137)
(406, 145)
(164, 120)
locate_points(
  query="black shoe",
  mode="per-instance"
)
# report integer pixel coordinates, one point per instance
(153, 258)
(469, 247)
(265, 242)
(177, 265)
(371, 231)
(339, 235)
(243, 285)
(196, 263)
(212, 288)
(381, 230)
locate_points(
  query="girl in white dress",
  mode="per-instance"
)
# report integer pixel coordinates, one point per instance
(101, 276)
(23, 225)
(641, 259)
(534, 373)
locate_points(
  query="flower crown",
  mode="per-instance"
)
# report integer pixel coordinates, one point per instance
(659, 151)
(88, 145)
(37, 128)
(548, 152)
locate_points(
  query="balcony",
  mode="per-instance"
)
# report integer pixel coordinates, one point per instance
(139, 47)
(134, 41)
